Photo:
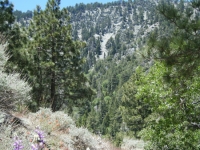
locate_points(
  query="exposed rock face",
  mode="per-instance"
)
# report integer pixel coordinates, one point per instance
(118, 27)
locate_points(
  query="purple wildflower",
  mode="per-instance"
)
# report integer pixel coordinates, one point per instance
(18, 144)
(40, 141)
(34, 147)
(40, 134)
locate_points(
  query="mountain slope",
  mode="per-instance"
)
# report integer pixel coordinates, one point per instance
(114, 34)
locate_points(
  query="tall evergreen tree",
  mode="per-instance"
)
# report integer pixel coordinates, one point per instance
(13, 36)
(6, 15)
(98, 47)
(134, 110)
(54, 62)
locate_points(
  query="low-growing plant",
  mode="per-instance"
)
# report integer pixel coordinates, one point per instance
(65, 136)
(38, 139)
(18, 144)
(51, 122)
(13, 90)
(62, 132)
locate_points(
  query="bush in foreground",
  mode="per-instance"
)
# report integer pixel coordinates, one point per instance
(14, 92)
(58, 129)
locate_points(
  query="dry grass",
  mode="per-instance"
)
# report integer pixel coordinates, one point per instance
(60, 133)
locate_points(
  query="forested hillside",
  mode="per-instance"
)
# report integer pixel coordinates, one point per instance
(129, 99)
(115, 34)
(124, 70)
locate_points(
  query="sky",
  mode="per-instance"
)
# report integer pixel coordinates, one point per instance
(24, 5)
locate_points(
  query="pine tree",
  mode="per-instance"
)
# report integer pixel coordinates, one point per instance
(54, 62)
(98, 47)
(134, 110)
(6, 16)
(13, 36)
(179, 49)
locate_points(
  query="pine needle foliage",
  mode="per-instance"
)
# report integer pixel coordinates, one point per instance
(180, 49)
(6, 17)
(54, 62)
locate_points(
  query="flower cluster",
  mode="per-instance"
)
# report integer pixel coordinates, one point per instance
(17, 144)
(38, 140)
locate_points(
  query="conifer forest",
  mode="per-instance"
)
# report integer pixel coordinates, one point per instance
(121, 75)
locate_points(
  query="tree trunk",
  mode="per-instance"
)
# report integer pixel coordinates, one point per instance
(53, 84)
